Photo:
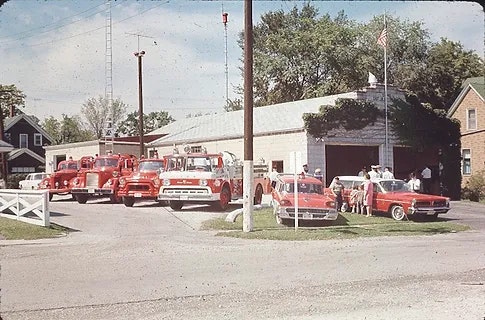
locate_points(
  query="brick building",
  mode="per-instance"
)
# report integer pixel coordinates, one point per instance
(469, 109)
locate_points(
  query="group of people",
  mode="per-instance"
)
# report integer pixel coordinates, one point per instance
(418, 185)
(375, 172)
(360, 196)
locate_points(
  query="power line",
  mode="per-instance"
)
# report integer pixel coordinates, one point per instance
(83, 33)
(50, 24)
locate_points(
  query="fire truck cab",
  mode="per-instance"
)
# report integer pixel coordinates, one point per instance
(60, 181)
(143, 183)
(102, 179)
(214, 179)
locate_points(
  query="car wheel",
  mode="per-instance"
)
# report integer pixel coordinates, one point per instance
(279, 220)
(397, 212)
(128, 201)
(176, 205)
(82, 198)
(258, 194)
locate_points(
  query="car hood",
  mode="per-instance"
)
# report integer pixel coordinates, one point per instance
(310, 200)
(414, 195)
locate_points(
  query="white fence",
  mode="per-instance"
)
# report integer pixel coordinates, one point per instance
(25, 205)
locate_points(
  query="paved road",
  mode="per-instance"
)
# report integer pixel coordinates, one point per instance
(149, 262)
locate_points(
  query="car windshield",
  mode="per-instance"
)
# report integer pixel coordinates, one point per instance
(395, 186)
(304, 188)
(106, 162)
(150, 165)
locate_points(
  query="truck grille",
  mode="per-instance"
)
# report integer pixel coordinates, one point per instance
(138, 187)
(185, 191)
(92, 179)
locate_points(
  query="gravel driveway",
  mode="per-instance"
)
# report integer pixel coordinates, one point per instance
(149, 262)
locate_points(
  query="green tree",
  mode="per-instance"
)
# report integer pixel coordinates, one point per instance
(301, 54)
(233, 105)
(447, 66)
(298, 56)
(10, 96)
(151, 122)
(96, 111)
(68, 130)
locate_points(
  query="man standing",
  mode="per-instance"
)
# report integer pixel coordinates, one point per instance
(387, 174)
(426, 175)
(374, 174)
(305, 169)
(273, 176)
(337, 189)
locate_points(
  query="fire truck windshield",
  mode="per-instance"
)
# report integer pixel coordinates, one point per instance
(150, 165)
(201, 163)
(105, 162)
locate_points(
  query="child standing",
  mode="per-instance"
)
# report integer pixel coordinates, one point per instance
(353, 199)
(360, 199)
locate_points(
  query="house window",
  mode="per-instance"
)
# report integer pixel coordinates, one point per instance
(37, 139)
(467, 161)
(24, 140)
(471, 119)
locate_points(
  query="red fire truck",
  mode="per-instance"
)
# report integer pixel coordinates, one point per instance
(143, 183)
(60, 181)
(102, 179)
(214, 179)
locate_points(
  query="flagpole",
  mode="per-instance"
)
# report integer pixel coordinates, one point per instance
(386, 152)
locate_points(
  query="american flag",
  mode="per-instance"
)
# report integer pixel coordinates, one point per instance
(382, 40)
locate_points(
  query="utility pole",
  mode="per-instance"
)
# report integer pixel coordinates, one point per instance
(140, 55)
(224, 21)
(248, 187)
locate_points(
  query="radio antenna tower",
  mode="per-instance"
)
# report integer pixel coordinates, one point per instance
(108, 92)
(224, 21)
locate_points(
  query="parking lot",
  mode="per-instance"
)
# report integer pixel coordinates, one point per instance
(148, 262)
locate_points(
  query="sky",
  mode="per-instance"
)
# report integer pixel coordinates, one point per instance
(55, 51)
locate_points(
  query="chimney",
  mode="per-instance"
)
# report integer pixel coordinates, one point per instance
(12, 111)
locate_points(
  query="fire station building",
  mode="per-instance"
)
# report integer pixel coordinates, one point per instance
(279, 130)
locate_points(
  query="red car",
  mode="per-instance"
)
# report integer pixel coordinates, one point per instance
(312, 203)
(395, 197)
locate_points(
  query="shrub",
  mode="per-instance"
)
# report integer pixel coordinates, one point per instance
(475, 187)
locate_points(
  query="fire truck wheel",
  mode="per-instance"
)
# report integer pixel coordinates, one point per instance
(258, 194)
(114, 199)
(50, 196)
(176, 205)
(128, 201)
(225, 197)
(82, 198)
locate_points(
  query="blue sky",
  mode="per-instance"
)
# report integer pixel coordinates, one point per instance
(54, 51)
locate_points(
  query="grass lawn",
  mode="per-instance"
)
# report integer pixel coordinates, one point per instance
(16, 230)
(346, 226)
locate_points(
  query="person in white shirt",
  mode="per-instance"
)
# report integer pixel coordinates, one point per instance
(374, 174)
(426, 174)
(273, 176)
(415, 183)
(387, 174)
